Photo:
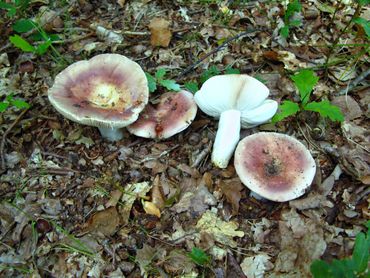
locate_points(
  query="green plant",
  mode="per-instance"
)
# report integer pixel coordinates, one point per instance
(17, 6)
(158, 79)
(10, 101)
(305, 81)
(292, 8)
(356, 266)
(43, 40)
(199, 257)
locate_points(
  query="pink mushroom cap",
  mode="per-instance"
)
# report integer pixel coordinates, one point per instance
(107, 91)
(172, 114)
(275, 166)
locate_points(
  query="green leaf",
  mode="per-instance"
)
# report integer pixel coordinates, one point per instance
(212, 71)
(305, 80)
(10, 8)
(42, 48)
(192, 87)
(152, 83)
(21, 43)
(284, 31)
(293, 7)
(3, 106)
(343, 268)
(199, 257)
(363, 2)
(20, 104)
(230, 70)
(361, 253)
(364, 23)
(287, 108)
(170, 84)
(295, 23)
(23, 25)
(325, 109)
(160, 73)
(320, 269)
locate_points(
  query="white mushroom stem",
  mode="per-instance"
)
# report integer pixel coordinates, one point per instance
(111, 134)
(227, 138)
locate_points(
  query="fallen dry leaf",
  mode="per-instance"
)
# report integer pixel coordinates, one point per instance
(104, 222)
(151, 208)
(160, 32)
(256, 266)
(231, 189)
(222, 231)
(349, 107)
(157, 194)
(144, 257)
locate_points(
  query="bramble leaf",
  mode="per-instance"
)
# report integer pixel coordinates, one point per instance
(160, 73)
(199, 257)
(361, 252)
(42, 48)
(287, 108)
(284, 31)
(212, 71)
(170, 84)
(192, 86)
(20, 104)
(23, 25)
(151, 82)
(293, 7)
(325, 109)
(21, 43)
(305, 80)
(3, 106)
(230, 70)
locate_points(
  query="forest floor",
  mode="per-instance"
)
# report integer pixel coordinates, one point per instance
(76, 205)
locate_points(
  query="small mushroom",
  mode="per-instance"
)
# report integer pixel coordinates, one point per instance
(239, 100)
(173, 113)
(108, 91)
(275, 166)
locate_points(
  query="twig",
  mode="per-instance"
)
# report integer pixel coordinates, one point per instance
(225, 43)
(6, 133)
(354, 83)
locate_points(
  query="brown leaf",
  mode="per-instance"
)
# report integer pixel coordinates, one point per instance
(349, 107)
(231, 189)
(104, 222)
(114, 198)
(151, 208)
(157, 194)
(160, 32)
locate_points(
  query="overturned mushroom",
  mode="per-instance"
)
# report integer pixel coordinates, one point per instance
(173, 114)
(275, 166)
(108, 91)
(239, 100)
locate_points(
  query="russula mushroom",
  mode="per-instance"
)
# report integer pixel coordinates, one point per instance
(172, 114)
(239, 100)
(275, 166)
(108, 91)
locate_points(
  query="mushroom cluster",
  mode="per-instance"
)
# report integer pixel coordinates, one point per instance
(239, 101)
(108, 91)
(274, 166)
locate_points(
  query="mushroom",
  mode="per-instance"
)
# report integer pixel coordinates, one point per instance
(108, 91)
(275, 166)
(174, 112)
(239, 100)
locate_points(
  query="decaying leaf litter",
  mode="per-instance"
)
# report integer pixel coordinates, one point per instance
(76, 205)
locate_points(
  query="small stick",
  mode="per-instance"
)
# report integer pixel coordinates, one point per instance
(225, 43)
(6, 133)
(354, 83)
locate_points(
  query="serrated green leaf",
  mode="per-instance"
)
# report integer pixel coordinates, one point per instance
(320, 269)
(284, 31)
(230, 70)
(212, 71)
(287, 108)
(305, 81)
(20, 104)
(170, 84)
(152, 83)
(199, 257)
(21, 43)
(364, 23)
(160, 73)
(361, 253)
(23, 25)
(3, 106)
(192, 86)
(325, 109)
(293, 7)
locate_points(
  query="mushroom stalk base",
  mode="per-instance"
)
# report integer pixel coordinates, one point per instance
(227, 138)
(111, 134)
